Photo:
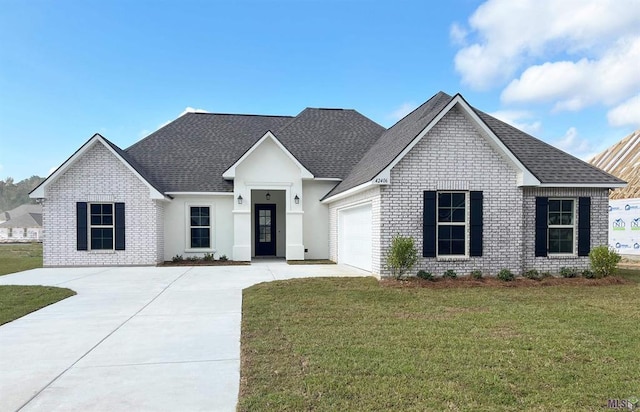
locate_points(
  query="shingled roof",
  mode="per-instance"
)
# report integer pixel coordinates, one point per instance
(547, 163)
(191, 153)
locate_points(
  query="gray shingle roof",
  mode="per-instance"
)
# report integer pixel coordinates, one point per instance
(329, 142)
(392, 142)
(23, 216)
(191, 153)
(549, 164)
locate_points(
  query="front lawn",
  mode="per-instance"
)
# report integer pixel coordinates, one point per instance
(17, 301)
(16, 257)
(350, 344)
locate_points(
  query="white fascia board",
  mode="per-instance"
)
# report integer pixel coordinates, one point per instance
(347, 193)
(230, 173)
(328, 179)
(585, 185)
(40, 190)
(526, 178)
(200, 193)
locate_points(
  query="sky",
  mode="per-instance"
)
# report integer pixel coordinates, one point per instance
(567, 72)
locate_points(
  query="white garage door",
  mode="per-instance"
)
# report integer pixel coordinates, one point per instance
(354, 237)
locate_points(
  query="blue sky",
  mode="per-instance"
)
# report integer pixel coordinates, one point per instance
(566, 72)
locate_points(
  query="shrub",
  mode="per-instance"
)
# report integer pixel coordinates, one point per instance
(401, 256)
(193, 258)
(476, 274)
(506, 275)
(177, 258)
(224, 258)
(588, 274)
(566, 272)
(545, 275)
(423, 274)
(450, 274)
(603, 260)
(208, 257)
(532, 274)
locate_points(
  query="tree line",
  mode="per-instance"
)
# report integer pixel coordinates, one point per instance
(14, 194)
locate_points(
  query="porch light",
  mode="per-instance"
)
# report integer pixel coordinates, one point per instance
(268, 196)
(239, 199)
(297, 200)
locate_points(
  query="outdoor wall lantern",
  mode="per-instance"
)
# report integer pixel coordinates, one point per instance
(268, 196)
(239, 199)
(297, 200)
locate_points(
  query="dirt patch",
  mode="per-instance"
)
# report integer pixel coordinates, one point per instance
(205, 263)
(467, 282)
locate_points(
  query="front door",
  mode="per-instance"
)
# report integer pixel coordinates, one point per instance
(265, 228)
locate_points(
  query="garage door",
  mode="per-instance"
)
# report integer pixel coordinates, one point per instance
(354, 237)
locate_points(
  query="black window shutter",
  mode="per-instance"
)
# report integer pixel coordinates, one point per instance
(429, 224)
(475, 222)
(542, 205)
(584, 226)
(119, 224)
(81, 226)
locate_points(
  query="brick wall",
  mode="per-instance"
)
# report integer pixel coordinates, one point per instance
(599, 226)
(368, 196)
(454, 156)
(99, 176)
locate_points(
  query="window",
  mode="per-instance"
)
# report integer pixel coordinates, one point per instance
(561, 226)
(200, 227)
(101, 226)
(452, 223)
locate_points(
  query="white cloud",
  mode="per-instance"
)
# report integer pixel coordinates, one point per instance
(575, 85)
(571, 142)
(627, 113)
(521, 119)
(51, 170)
(458, 34)
(402, 111)
(505, 35)
(190, 109)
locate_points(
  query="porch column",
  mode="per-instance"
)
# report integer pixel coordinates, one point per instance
(295, 247)
(241, 235)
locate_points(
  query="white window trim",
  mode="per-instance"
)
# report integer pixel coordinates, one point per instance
(573, 226)
(187, 224)
(112, 227)
(465, 224)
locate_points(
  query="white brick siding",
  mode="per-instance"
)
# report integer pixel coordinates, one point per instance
(99, 176)
(368, 196)
(454, 156)
(599, 226)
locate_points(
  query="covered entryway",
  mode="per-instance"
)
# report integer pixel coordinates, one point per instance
(265, 229)
(354, 236)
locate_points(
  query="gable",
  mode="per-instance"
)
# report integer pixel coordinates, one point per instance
(268, 155)
(109, 153)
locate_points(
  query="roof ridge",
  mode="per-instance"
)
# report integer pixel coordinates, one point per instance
(235, 114)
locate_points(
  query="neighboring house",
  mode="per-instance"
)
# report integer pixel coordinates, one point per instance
(22, 224)
(474, 193)
(623, 161)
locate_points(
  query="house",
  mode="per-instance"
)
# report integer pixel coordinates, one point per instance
(474, 193)
(22, 224)
(621, 160)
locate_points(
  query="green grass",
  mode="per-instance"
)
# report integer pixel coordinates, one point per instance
(349, 344)
(17, 301)
(15, 257)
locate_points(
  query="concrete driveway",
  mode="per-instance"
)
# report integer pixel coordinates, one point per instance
(134, 338)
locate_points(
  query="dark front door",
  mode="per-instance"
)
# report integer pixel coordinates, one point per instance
(265, 230)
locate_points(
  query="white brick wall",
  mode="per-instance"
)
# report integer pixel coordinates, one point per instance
(453, 156)
(99, 175)
(368, 196)
(599, 226)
